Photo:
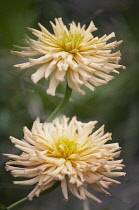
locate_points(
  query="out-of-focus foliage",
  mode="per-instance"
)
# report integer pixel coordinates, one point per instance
(116, 104)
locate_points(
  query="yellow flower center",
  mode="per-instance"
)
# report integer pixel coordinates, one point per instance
(70, 42)
(65, 148)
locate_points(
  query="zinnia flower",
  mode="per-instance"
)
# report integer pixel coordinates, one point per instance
(68, 152)
(84, 59)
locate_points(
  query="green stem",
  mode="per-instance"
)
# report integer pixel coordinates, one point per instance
(26, 199)
(62, 104)
(17, 203)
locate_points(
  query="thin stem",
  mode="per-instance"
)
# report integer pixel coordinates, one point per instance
(62, 104)
(26, 199)
(17, 203)
(86, 204)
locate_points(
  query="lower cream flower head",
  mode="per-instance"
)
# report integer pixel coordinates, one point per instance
(68, 152)
(84, 59)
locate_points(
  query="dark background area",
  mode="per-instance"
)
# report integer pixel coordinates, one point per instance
(116, 104)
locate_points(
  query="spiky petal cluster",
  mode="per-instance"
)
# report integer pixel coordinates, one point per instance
(69, 152)
(84, 59)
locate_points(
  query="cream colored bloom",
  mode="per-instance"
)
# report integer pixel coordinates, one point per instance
(68, 152)
(74, 53)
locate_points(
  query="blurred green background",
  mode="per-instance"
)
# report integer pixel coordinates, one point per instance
(116, 104)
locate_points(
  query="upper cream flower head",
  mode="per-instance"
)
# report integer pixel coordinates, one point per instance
(84, 59)
(68, 152)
